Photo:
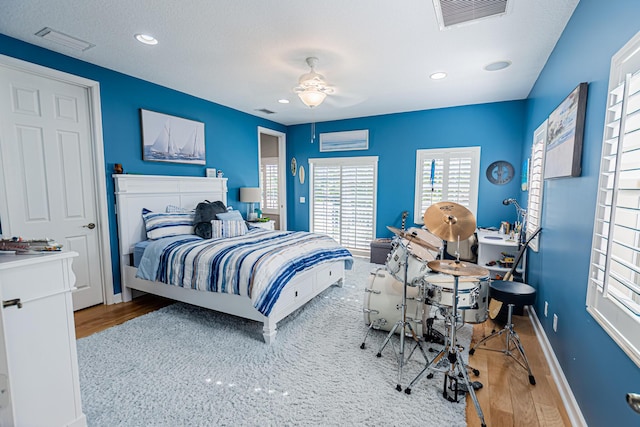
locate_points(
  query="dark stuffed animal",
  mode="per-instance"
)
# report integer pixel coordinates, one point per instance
(205, 212)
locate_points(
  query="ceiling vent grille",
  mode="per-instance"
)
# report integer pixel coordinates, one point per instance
(265, 111)
(64, 39)
(451, 13)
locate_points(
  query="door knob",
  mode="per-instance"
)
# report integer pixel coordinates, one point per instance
(90, 226)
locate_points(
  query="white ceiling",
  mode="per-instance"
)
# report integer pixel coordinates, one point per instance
(378, 54)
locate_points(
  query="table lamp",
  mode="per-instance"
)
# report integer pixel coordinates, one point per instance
(250, 195)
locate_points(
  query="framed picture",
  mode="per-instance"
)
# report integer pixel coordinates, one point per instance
(168, 138)
(345, 141)
(565, 131)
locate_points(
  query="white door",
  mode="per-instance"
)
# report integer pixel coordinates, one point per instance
(47, 177)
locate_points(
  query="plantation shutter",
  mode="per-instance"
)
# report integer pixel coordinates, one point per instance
(455, 173)
(269, 177)
(343, 200)
(614, 279)
(536, 183)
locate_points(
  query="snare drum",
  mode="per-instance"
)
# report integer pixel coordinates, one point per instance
(481, 313)
(383, 297)
(439, 291)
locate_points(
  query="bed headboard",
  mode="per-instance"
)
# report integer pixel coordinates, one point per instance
(154, 192)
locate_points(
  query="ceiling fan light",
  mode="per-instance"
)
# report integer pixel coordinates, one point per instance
(312, 98)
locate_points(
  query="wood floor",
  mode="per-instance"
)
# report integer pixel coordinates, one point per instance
(507, 398)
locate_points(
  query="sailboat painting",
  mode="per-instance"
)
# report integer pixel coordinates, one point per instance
(168, 138)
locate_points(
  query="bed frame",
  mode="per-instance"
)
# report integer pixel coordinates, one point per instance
(135, 192)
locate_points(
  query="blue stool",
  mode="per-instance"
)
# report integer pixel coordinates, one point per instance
(512, 294)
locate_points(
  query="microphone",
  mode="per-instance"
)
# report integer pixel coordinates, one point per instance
(508, 201)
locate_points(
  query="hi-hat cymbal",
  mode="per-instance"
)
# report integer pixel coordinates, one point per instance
(412, 238)
(449, 221)
(457, 268)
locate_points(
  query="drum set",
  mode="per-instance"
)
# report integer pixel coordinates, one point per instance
(399, 298)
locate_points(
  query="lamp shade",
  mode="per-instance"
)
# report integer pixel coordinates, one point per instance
(250, 194)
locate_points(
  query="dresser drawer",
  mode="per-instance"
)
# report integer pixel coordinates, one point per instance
(31, 282)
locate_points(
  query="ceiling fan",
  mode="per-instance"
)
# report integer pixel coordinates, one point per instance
(312, 87)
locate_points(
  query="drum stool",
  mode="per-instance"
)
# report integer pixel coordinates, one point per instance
(512, 294)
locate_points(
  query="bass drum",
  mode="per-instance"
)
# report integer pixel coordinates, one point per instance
(382, 300)
(479, 314)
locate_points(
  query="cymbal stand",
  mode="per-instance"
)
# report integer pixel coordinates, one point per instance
(457, 368)
(403, 324)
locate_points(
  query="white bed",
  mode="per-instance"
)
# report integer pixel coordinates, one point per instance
(135, 192)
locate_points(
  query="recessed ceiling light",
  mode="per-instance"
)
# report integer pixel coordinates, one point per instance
(499, 65)
(439, 75)
(283, 101)
(146, 39)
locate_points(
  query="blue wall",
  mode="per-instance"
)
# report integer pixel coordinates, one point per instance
(498, 128)
(231, 136)
(599, 373)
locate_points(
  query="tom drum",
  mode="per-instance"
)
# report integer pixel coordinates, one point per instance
(416, 256)
(383, 297)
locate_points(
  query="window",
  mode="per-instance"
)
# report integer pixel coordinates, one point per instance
(613, 296)
(269, 185)
(343, 200)
(536, 183)
(450, 174)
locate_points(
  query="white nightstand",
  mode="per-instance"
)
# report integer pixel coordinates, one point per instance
(267, 225)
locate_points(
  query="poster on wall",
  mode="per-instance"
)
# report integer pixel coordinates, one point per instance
(565, 131)
(173, 139)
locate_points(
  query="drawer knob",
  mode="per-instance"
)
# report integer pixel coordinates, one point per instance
(9, 303)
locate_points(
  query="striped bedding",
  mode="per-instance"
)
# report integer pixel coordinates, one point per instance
(257, 264)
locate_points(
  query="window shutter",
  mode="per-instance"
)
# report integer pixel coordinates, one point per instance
(536, 183)
(613, 296)
(343, 200)
(269, 185)
(455, 178)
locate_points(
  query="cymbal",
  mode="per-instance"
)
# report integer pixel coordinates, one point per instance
(412, 238)
(457, 268)
(449, 221)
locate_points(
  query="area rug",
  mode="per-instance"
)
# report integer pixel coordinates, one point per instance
(187, 366)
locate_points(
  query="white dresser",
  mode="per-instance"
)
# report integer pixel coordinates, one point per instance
(39, 384)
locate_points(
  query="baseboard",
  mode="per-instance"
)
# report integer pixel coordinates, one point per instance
(568, 399)
(117, 299)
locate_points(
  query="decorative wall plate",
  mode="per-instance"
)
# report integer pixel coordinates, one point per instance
(301, 174)
(294, 166)
(500, 172)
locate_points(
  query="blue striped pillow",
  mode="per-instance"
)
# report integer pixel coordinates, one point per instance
(160, 224)
(227, 228)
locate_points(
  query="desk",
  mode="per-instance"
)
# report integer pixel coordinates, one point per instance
(491, 245)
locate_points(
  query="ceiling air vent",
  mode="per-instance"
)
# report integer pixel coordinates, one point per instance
(264, 110)
(64, 39)
(451, 13)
